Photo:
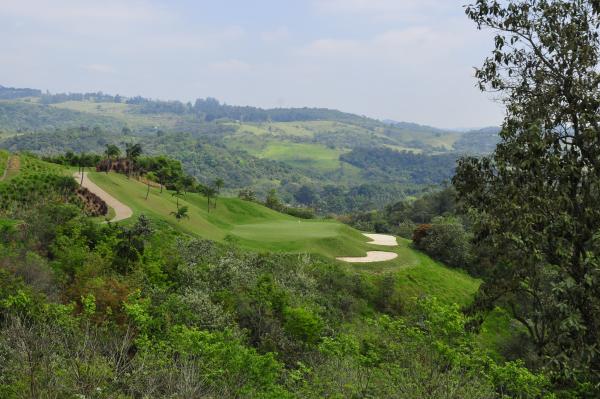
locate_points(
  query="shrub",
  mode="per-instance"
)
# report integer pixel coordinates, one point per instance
(445, 240)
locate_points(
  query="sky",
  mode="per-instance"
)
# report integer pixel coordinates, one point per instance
(406, 60)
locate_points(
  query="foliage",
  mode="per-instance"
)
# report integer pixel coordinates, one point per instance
(535, 198)
(445, 239)
(402, 166)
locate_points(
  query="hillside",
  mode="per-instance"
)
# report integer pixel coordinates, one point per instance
(253, 226)
(290, 150)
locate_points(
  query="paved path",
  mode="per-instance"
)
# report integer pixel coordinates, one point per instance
(375, 256)
(122, 211)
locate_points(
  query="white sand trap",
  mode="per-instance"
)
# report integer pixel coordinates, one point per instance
(122, 211)
(372, 256)
(382, 239)
(375, 256)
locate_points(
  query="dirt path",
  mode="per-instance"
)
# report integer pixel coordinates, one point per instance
(375, 256)
(5, 170)
(13, 165)
(122, 211)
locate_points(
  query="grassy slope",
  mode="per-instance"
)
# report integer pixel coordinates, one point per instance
(3, 162)
(251, 225)
(259, 228)
(122, 112)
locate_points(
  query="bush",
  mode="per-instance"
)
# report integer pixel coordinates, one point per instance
(445, 240)
(302, 213)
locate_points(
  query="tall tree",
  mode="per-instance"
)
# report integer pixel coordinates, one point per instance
(536, 197)
(209, 192)
(218, 185)
(132, 152)
(111, 153)
(150, 176)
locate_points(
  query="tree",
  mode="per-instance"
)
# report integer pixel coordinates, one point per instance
(446, 240)
(187, 183)
(218, 185)
(536, 197)
(163, 174)
(150, 176)
(208, 192)
(83, 157)
(132, 152)
(111, 153)
(181, 213)
(272, 201)
(177, 193)
(305, 195)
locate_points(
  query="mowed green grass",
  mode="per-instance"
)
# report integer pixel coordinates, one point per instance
(256, 227)
(417, 274)
(302, 155)
(249, 224)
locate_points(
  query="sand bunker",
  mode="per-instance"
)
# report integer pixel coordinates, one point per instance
(382, 239)
(372, 256)
(375, 256)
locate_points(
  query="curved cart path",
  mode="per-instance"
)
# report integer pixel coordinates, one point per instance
(375, 256)
(122, 211)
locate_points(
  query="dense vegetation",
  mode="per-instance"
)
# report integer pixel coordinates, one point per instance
(356, 185)
(134, 311)
(205, 296)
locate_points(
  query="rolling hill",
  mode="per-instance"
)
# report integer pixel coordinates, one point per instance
(335, 155)
(253, 226)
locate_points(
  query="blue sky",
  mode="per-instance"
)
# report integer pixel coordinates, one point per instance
(409, 60)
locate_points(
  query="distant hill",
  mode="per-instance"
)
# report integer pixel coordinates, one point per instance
(481, 141)
(11, 93)
(350, 162)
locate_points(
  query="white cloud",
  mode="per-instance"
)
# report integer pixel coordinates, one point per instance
(81, 11)
(333, 48)
(383, 9)
(100, 68)
(415, 42)
(230, 66)
(278, 35)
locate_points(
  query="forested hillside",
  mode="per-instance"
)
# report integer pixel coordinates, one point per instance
(337, 157)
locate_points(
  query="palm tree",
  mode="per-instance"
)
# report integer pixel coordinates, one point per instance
(149, 177)
(181, 213)
(218, 185)
(208, 192)
(187, 182)
(177, 194)
(132, 152)
(111, 152)
(162, 174)
(83, 158)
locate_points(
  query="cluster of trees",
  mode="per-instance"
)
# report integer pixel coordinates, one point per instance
(12, 93)
(384, 163)
(109, 311)
(534, 200)
(482, 141)
(29, 117)
(99, 97)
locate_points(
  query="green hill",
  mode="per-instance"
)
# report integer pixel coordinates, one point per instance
(256, 227)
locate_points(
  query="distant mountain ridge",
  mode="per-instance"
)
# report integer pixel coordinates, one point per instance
(349, 162)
